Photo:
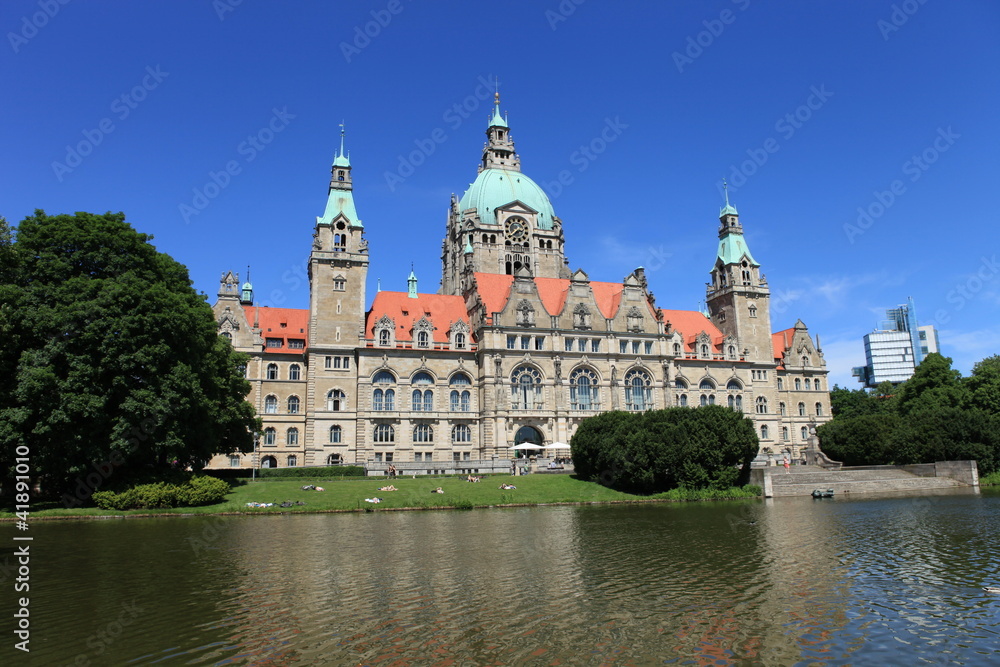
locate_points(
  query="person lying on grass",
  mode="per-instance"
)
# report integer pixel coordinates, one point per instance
(506, 487)
(438, 490)
(388, 488)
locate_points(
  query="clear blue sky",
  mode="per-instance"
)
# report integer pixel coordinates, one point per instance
(833, 100)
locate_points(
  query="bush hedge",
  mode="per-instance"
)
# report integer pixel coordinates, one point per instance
(198, 490)
(323, 471)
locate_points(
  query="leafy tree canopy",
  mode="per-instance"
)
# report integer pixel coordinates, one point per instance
(110, 354)
(984, 385)
(934, 385)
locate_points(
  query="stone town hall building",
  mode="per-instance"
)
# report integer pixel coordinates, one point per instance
(514, 347)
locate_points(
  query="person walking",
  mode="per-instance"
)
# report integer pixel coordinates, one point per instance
(787, 463)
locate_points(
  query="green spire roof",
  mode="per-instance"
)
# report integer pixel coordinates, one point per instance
(468, 248)
(340, 201)
(728, 209)
(733, 248)
(341, 160)
(497, 120)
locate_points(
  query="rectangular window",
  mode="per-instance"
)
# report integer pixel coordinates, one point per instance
(539, 342)
(511, 342)
(296, 344)
(418, 456)
(234, 461)
(456, 456)
(347, 362)
(378, 457)
(635, 347)
(275, 342)
(466, 455)
(328, 362)
(568, 345)
(649, 347)
(388, 457)
(336, 362)
(595, 345)
(623, 345)
(525, 342)
(581, 345)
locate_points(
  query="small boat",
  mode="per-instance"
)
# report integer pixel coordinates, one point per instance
(992, 589)
(820, 493)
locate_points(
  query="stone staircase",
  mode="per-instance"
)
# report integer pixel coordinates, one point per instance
(802, 480)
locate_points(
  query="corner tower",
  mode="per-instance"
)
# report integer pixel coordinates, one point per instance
(503, 223)
(738, 297)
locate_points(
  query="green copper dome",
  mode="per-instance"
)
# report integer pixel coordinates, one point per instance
(495, 188)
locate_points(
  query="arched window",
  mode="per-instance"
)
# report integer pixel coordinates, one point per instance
(677, 349)
(784, 433)
(680, 383)
(333, 460)
(819, 409)
(383, 337)
(336, 434)
(423, 339)
(781, 384)
(638, 391)
(270, 436)
(293, 405)
(460, 398)
(682, 400)
(707, 385)
(798, 384)
(292, 461)
(583, 391)
(422, 400)
(734, 385)
(816, 384)
(525, 389)
(294, 372)
(461, 434)
(292, 436)
(753, 308)
(384, 433)
(739, 402)
(460, 341)
(336, 400)
(704, 350)
(384, 397)
(271, 405)
(805, 433)
(802, 409)
(711, 399)
(781, 409)
(704, 400)
(272, 371)
(761, 405)
(423, 433)
(269, 462)
(763, 432)
(805, 360)
(808, 383)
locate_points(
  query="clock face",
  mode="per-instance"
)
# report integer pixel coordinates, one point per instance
(517, 229)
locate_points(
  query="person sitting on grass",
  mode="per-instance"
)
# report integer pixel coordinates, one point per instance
(438, 490)
(470, 478)
(388, 488)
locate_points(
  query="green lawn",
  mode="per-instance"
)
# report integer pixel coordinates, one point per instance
(349, 494)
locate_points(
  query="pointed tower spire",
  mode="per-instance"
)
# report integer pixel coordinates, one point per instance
(411, 284)
(499, 150)
(340, 198)
(246, 295)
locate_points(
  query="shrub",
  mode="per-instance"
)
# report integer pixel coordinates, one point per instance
(324, 471)
(198, 490)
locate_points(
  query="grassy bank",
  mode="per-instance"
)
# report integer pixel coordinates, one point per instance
(350, 494)
(993, 479)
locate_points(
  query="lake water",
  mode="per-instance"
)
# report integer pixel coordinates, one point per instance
(863, 581)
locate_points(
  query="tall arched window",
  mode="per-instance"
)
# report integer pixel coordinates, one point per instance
(682, 400)
(638, 391)
(583, 391)
(383, 337)
(271, 405)
(336, 400)
(460, 341)
(805, 433)
(808, 384)
(677, 349)
(761, 405)
(461, 434)
(525, 389)
(802, 409)
(819, 409)
(781, 409)
(423, 339)
(784, 433)
(293, 405)
(781, 384)
(384, 433)
(423, 433)
(798, 384)
(336, 434)
(270, 436)
(272, 371)
(460, 398)
(422, 399)
(292, 436)
(294, 372)
(384, 396)
(704, 400)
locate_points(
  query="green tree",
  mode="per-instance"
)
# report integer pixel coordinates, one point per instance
(984, 385)
(934, 385)
(948, 434)
(111, 356)
(860, 440)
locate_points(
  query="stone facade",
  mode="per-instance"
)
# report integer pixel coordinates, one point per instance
(514, 347)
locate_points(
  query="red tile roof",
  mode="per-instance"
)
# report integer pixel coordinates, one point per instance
(780, 340)
(441, 309)
(690, 323)
(283, 323)
(494, 289)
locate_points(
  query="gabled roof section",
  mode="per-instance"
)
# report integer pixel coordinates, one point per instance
(494, 290)
(280, 323)
(780, 342)
(441, 309)
(690, 323)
